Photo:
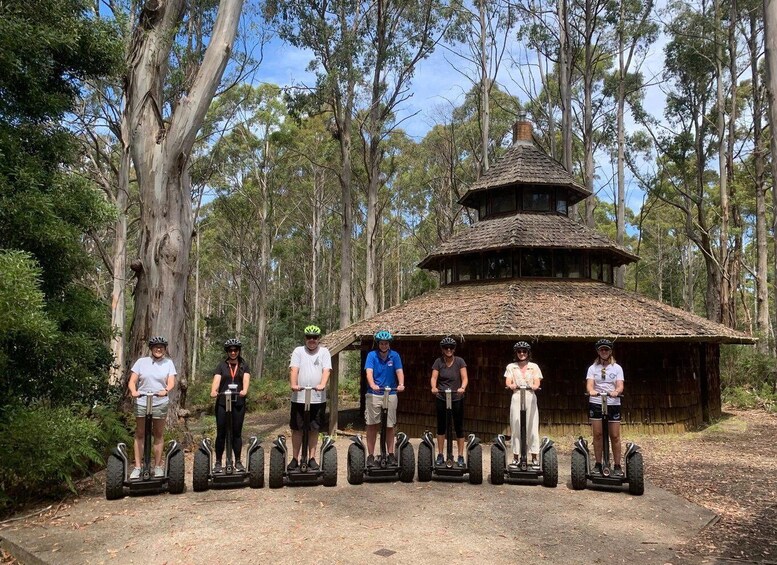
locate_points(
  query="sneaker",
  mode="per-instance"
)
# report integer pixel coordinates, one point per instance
(135, 474)
(159, 472)
(392, 460)
(440, 460)
(239, 467)
(460, 461)
(515, 463)
(312, 464)
(217, 467)
(617, 471)
(370, 461)
(293, 465)
(598, 468)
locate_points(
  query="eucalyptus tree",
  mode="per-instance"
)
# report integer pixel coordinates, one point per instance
(163, 129)
(770, 50)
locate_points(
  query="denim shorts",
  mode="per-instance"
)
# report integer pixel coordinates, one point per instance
(157, 412)
(613, 412)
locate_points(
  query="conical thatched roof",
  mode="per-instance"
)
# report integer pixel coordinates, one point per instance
(524, 163)
(526, 230)
(537, 309)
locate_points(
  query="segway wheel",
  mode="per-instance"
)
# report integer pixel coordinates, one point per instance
(114, 478)
(200, 471)
(497, 466)
(176, 473)
(550, 468)
(424, 463)
(635, 472)
(256, 468)
(579, 470)
(355, 465)
(476, 465)
(407, 464)
(329, 466)
(276, 468)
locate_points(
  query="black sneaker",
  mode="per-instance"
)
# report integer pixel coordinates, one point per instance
(440, 460)
(239, 467)
(312, 464)
(598, 468)
(460, 461)
(217, 467)
(617, 471)
(392, 460)
(293, 465)
(370, 461)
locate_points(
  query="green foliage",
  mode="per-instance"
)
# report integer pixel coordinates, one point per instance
(748, 378)
(44, 448)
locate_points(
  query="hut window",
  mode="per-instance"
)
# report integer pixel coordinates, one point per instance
(607, 272)
(561, 203)
(469, 269)
(448, 275)
(503, 201)
(572, 267)
(482, 209)
(536, 263)
(499, 267)
(537, 200)
(596, 268)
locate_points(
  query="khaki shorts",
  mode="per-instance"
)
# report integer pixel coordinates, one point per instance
(374, 403)
(157, 412)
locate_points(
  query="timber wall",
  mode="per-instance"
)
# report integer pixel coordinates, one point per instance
(663, 386)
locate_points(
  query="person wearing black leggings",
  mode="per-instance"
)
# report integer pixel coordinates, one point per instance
(232, 371)
(449, 372)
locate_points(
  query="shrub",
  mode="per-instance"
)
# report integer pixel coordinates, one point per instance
(43, 449)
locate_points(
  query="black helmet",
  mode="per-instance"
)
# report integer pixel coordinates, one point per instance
(157, 340)
(522, 345)
(603, 343)
(232, 342)
(447, 341)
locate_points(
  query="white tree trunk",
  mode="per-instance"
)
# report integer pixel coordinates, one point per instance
(160, 152)
(770, 44)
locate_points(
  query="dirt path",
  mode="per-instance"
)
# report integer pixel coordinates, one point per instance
(690, 479)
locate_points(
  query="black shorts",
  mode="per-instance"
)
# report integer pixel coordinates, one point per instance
(457, 409)
(297, 420)
(613, 412)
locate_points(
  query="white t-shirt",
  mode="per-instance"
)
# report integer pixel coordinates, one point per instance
(532, 372)
(152, 377)
(605, 382)
(311, 370)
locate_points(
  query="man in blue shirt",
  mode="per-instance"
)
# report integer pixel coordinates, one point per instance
(384, 369)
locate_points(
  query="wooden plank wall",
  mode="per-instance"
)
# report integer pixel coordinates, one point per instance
(662, 386)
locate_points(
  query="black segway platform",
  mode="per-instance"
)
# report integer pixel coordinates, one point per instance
(118, 467)
(583, 471)
(383, 469)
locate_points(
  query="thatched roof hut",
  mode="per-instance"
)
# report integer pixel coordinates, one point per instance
(525, 270)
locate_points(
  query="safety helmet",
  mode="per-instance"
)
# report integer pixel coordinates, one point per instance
(383, 335)
(447, 341)
(522, 345)
(603, 343)
(232, 342)
(312, 330)
(157, 340)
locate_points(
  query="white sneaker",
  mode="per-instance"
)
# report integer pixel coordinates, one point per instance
(135, 474)
(159, 472)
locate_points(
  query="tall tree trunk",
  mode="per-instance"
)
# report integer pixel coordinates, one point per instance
(770, 45)
(723, 257)
(485, 89)
(160, 152)
(762, 244)
(118, 305)
(196, 316)
(732, 271)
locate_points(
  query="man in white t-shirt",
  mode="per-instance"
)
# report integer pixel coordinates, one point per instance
(310, 366)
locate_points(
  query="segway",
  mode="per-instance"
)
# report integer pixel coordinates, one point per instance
(325, 474)
(403, 468)
(581, 462)
(203, 476)
(547, 469)
(428, 468)
(117, 475)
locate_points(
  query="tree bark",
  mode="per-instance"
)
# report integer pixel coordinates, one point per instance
(770, 45)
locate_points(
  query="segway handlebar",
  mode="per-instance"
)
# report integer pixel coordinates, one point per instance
(523, 387)
(607, 394)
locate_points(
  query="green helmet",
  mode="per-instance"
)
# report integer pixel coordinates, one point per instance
(312, 330)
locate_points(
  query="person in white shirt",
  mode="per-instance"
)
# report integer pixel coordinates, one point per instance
(520, 373)
(605, 376)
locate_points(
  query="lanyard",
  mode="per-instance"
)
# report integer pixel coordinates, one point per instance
(233, 373)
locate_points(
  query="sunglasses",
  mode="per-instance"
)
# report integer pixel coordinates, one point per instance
(448, 347)
(311, 337)
(604, 373)
(232, 350)
(526, 351)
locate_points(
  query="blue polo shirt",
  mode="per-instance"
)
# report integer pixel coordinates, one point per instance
(384, 372)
